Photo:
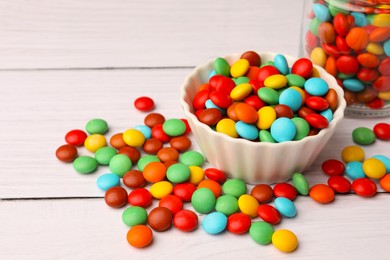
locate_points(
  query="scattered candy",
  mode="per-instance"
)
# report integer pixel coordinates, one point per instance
(363, 136)
(140, 236)
(214, 223)
(364, 187)
(107, 181)
(160, 219)
(116, 197)
(321, 193)
(261, 232)
(144, 103)
(238, 223)
(66, 153)
(97, 126)
(134, 215)
(284, 240)
(185, 220)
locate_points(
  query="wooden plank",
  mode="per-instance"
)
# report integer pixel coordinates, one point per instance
(150, 33)
(40, 107)
(349, 228)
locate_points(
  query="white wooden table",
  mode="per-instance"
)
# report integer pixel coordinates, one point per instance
(64, 62)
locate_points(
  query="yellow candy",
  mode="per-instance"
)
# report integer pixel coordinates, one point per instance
(384, 95)
(267, 115)
(285, 240)
(318, 56)
(374, 168)
(352, 153)
(93, 142)
(239, 68)
(161, 189)
(381, 20)
(133, 137)
(275, 81)
(227, 126)
(241, 91)
(196, 175)
(315, 73)
(374, 48)
(248, 205)
(300, 92)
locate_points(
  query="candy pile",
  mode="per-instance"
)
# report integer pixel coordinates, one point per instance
(353, 46)
(268, 103)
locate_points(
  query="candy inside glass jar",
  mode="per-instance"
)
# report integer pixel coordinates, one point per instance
(351, 40)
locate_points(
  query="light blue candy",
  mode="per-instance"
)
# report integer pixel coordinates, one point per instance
(354, 170)
(209, 104)
(353, 85)
(247, 131)
(212, 73)
(316, 86)
(145, 130)
(283, 129)
(386, 48)
(360, 19)
(108, 180)
(385, 160)
(285, 207)
(292, 98)
(281, 64)
(321, 12)
(328, 114)
(214, 223)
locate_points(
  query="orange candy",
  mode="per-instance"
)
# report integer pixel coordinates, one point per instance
(330, 66)
(326, 33)
(385, 182)
(368, 60)
(214, 186)
(246, 113)
(154, 172)
(140, 236)
(321, 193)
(357, 38)
(380, 34)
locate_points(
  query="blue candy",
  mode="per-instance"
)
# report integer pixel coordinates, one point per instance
(316, 86)
(292, 98)
(360, 19)
(210, 104)
(328, 114)
(285, 207)
(321, 12)
(385, 160)
(283, 129)
(354, 170)
(386, 48)
(212, 73)
(281, 64)
(145, 130)
(108, 180)
(353, 85)
(247, 131)
(214, 223)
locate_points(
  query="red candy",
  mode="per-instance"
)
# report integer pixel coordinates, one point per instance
(339, 184)
(238, 223)
(265, 72)
(171, 202)
(200, 99)
(76, 137)
(340, 24)
(285, 190)
(184, 190)
(333, 167)
(221, 99)
(382, 131)
(158, 132)
(317, 103)
(185, 220)
(303, 67)
(364, 187)
(144, 103)
(347, 64)
(140, 197)
(317, 121)
(269, 214)
(215, 175)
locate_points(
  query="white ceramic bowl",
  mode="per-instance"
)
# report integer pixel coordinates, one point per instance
(256, 162)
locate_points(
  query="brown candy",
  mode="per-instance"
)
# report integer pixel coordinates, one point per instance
(253, 58)
(116, 197)
(304, 111)
(116, 141)
(168, 154)
(326, 33)
(263, 193)
(283, 111)
(331, 97)
(349, 97)
(367, 95)
(134, 179)
(180, 143)
(160, 218)
(210, 116)
(153, 119)
(66, 153)
(152, 145)
(131, 152)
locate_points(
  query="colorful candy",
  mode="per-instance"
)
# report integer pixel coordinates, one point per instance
(185, 220)
(285, 240)
(144, 103)
(140, 236)
(321, 193)
(116, 197)
(214, 223)
(261, 232)
(66, 153)
(160, 219)
(134, 215)
(238, 223)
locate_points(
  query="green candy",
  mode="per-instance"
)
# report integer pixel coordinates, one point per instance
(265, 136)
(104, 155)
(334, 9)
(135, 215)
(174, 127)
(178, 173)
(261, 232)
(227, 204)
(344, 76)
(145, 160)
(295, 80)
(120, 164)
(203, 200)
(268, 95)
(314, 24)
(267, 63)
(222, 67)
(85, 164)
(192, 158)
(235, 187)
(241, 80)
(300, 183)
(97, 126)
(363, 136)
(302, 127)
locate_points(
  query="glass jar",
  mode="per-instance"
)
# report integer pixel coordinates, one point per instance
(351, 40)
